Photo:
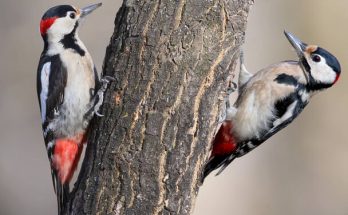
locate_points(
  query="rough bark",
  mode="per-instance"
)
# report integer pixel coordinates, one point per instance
(172, 61)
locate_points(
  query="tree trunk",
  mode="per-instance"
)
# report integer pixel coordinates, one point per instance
(172, 61)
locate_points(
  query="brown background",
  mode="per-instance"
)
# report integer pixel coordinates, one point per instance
(301, 170)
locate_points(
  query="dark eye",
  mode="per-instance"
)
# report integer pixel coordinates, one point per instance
(316, 58)
(72, 15)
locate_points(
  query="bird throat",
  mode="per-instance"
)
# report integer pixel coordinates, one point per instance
(70, 41)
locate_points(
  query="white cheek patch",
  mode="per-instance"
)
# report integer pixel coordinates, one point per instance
(321, 72)
(45, 76)
(61, 26)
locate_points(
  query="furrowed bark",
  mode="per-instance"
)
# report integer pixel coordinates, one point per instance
(172, 61)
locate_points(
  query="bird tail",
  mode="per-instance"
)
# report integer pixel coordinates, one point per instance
(61, 190)
(62, 196)
(67, 153)
(224, 146)
(216, 162)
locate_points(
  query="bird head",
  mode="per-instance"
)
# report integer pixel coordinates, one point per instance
(321, 67)
(63, 20)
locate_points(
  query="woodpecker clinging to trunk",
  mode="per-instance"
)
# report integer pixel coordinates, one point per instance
(69, 92)
(271, 99)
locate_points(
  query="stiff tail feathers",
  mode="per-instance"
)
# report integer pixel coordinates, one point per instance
(225, 163)
(216, 162)
(62, 192)
(224, 146)
(67, 154)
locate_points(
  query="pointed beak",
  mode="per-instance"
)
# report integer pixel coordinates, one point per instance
(298, 45)
(89, 9)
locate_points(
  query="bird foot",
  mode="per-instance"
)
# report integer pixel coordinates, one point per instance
(100, 93)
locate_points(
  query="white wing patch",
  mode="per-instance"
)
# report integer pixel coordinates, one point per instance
(45, 76)
(287, 115)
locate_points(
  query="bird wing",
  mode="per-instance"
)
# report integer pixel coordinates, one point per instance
(287, 110)
(51, 82)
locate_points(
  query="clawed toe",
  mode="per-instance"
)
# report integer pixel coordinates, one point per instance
(107, 79)
(99, 114)
(232, 87)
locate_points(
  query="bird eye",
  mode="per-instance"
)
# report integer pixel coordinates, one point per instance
(316, 58)
(72, 15)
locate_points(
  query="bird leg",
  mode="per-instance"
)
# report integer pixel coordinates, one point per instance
(230, 109)
(97, 100)
(244, 75)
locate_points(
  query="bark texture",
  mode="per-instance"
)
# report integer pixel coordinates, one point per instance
(172, 61)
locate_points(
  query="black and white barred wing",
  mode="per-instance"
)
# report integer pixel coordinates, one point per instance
(287, 110)
(51, 82)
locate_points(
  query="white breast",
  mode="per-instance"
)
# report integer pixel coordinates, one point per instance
(77, 93)
(255, 106)
(253, 115)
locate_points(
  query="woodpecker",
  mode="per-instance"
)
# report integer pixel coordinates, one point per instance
(269, 100)
(69, 92)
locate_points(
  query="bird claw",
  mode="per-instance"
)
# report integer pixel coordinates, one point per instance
(106, 79)
(99, 114)
(229, 110)
(232, 87)
(221, 119)
(100, 94)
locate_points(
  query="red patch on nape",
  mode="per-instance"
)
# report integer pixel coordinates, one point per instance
(45, 24)
(224, 143)
(336, 79)
(67, 153)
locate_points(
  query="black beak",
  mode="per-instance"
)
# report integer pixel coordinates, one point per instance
(89, 9)
(298, 45)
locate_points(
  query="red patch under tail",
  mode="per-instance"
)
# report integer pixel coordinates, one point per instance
(224, 143)
(67, 153)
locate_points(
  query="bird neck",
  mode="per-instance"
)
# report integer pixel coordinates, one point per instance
(55, 44)
(315, 86)
(312, 85)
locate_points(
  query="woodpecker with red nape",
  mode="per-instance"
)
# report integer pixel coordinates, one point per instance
(69, 92)
(269, 100)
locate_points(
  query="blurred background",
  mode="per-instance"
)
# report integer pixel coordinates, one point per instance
(301, 170)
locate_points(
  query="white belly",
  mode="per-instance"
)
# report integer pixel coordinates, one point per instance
(77, 94)
(253, 118)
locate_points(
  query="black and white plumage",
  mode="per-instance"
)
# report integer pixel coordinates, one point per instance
(271, 99)
(69, 92)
